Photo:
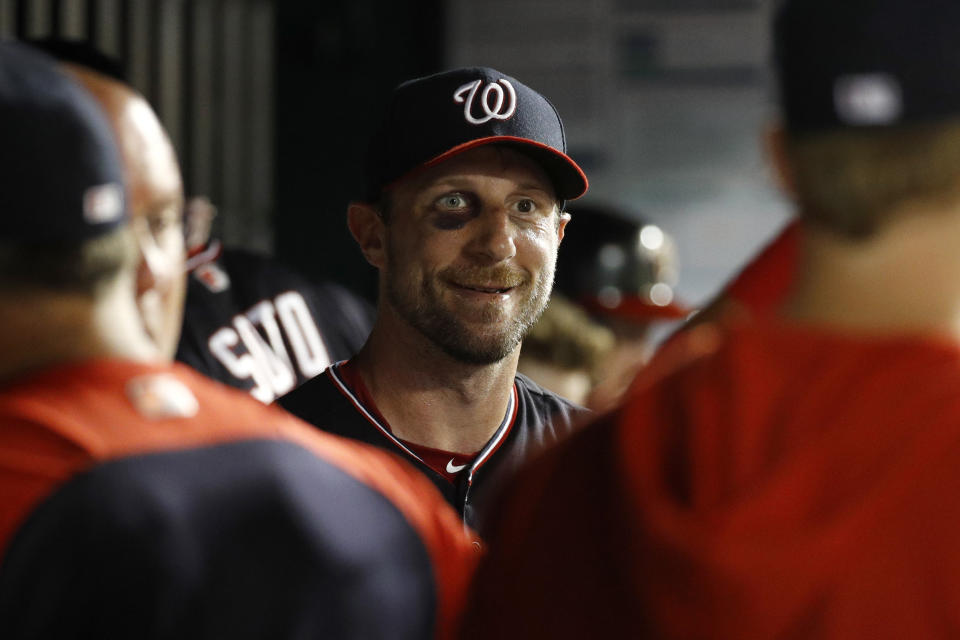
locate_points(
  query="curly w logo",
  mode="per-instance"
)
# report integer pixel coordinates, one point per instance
(494, 103)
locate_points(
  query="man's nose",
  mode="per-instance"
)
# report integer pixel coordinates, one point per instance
(494, 239)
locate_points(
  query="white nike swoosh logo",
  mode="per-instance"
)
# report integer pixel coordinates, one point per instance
(455, 468)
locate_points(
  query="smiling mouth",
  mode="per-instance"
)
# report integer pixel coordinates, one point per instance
(485, 289)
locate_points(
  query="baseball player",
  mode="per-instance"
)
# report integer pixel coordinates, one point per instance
(794, 474)
(623, 270)
(462, 216)
(138, 498)
(255, 324)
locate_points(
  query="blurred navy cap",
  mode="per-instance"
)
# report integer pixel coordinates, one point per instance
(432, 118)
(867, 63)
(61, 173)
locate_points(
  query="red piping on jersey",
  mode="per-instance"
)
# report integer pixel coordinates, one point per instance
(498, 438)
(203, 255)
(371, 418)
(374, 418)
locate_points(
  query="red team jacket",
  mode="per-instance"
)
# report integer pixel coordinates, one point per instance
(765, 281)
(778, 482)
(139, 501)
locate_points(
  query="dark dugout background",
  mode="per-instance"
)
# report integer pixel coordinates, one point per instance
(337, 62)
(270, 103)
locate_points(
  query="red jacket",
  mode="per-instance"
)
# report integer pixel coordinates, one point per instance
(772, 482)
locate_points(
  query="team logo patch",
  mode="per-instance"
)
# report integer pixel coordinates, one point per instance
(103, 203)
(868, 99)
(213, 277)
(498, 100)
(162, 397)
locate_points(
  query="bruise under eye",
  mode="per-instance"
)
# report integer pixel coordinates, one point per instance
(450, 220)
(451, 211)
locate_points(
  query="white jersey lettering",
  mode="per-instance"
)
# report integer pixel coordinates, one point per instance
(278, 373)
(240, 366)
(255, 347)
(308, 348)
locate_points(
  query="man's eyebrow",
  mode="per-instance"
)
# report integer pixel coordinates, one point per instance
(533, 186)
(451, 181)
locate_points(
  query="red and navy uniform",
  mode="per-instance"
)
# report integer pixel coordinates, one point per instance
(150, 502)
(780, 482)
(339, 403)
(254, 324)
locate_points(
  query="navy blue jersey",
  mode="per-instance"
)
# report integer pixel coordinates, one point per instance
(254, 324)
(141, 501)
(534, 419)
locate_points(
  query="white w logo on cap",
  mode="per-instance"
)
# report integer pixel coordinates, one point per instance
(491, 100)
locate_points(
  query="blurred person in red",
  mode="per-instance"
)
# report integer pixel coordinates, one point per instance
(623, 270)
(138, 498)
(793, 474)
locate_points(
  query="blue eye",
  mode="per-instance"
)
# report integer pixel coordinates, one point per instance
(452, 202)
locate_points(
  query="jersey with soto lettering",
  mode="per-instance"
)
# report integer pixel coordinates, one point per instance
(784, 482)
(145, 501)
(339, 403)
(257, 325)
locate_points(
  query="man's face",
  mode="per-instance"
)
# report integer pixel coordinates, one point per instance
(471, 246)
(155, 201)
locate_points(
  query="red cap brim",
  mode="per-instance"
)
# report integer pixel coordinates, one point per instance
(637, 309)
(569, 180)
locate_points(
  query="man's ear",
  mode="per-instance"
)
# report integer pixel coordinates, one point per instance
(562, 225)
(775, 145)
(368, 229)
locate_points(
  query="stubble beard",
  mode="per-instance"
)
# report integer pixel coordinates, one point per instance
(422, 306)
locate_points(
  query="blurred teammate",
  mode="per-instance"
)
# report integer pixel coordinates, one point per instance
(137, 498)
(794, 475)
(466, 183)
(248, 320)
(257, 325)
(624, 272)
(565, 350)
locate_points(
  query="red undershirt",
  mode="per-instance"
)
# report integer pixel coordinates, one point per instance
(448, 464)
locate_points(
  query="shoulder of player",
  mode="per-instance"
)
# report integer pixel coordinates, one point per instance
(149, 513)
(523, 535)
(531, 394)
(316, 399)
(452, 548)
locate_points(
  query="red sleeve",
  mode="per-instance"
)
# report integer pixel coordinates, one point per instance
(450, 544)
(558, 562)
(764, 282)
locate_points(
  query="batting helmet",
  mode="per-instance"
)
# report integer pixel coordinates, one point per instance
(619, 266)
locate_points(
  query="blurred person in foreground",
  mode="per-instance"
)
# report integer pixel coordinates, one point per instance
(793, 475)
(249, 321)
(138, 498)
(623, 271)
(463, 213)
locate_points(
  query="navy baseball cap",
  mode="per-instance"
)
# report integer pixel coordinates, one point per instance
(62, 178)
(432, 118)
(867, 63)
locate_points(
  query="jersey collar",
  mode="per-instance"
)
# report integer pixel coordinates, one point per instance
(352, 387)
